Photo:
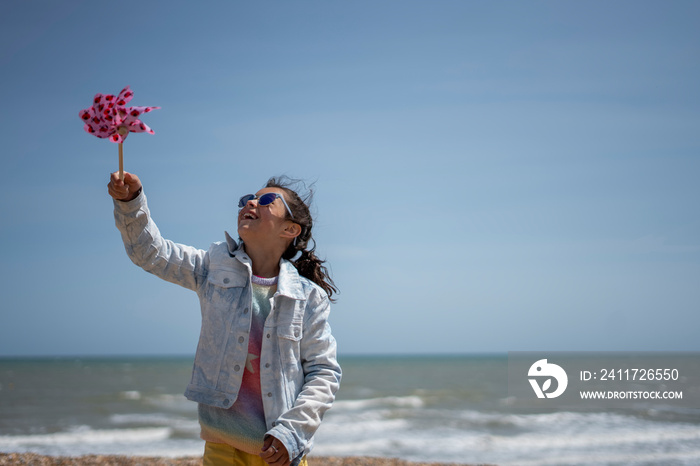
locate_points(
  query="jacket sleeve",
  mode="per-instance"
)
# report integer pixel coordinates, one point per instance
(176, 263)
(322, 375)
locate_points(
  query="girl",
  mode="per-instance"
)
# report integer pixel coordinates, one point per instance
(265, 370)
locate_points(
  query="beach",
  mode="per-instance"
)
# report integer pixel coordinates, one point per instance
(7, 459)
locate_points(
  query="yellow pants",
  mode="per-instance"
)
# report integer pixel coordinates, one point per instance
(219, 454)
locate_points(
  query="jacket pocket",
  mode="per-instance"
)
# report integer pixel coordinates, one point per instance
(226, 278)
(223, 290)
(291, 332)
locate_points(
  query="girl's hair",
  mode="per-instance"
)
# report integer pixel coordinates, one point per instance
(307, 264)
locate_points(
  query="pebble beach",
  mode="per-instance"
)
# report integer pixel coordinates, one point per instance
(7, 459)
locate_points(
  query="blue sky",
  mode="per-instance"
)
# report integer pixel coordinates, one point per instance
(490, 176)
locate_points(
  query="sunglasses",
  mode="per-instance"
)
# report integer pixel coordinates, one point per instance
(265, 199)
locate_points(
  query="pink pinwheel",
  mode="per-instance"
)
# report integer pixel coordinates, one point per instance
(109, 118)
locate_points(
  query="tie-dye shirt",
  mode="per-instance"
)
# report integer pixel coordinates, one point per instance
(243, 425)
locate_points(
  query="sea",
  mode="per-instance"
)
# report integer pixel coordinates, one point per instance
(453, 409)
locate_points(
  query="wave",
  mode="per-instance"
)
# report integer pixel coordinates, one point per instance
(86, 435)
(181, 427)
(130, 395)
(384, 402)
(612, 439)
(170, 402)
(413, 429)
(82, 440)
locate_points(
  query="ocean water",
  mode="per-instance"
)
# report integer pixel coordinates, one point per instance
(438, 408)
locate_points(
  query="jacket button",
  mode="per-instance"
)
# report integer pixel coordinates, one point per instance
(226, 401)
(241, 339)
(236, 368)
(227, 280)
(268, 335)
(267, 365)
(245, 311)
(269, 394)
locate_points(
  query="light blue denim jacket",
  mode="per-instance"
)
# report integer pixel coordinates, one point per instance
(299, 371)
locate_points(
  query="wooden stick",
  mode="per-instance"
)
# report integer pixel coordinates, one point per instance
(121, 161)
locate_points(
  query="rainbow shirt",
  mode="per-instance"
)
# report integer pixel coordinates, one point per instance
(242, 426)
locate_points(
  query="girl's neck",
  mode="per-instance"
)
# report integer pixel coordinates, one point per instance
(266, 263)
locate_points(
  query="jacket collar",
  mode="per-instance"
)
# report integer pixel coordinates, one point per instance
(231, 243)
(289, 282)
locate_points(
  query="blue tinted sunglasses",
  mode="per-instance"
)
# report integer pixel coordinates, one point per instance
(265, 199)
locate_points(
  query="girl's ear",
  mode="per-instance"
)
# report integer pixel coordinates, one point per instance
(292, 230)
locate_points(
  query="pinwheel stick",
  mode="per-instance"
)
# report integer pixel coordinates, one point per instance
(123, 131)
(121, 161)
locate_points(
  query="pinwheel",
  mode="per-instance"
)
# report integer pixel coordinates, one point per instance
(110, 118)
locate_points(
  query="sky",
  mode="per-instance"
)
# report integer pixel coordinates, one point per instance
(488, 176)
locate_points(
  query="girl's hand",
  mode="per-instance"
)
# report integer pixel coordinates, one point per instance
(274, 452)
(126, 190)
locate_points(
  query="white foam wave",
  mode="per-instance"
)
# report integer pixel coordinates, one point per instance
(130, 395)
(169, 402)
(614, 439)
(85, 435)
(676, 446)
(157, 419)
(379, 446)
(384, 402)
(506, 438)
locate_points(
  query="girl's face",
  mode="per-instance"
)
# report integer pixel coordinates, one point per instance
(266, 222)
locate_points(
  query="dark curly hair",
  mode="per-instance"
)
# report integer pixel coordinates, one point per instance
(307, 264)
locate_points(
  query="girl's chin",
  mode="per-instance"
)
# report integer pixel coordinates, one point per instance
(244, 232)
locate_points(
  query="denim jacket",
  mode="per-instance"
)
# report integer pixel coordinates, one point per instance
(299, 372)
